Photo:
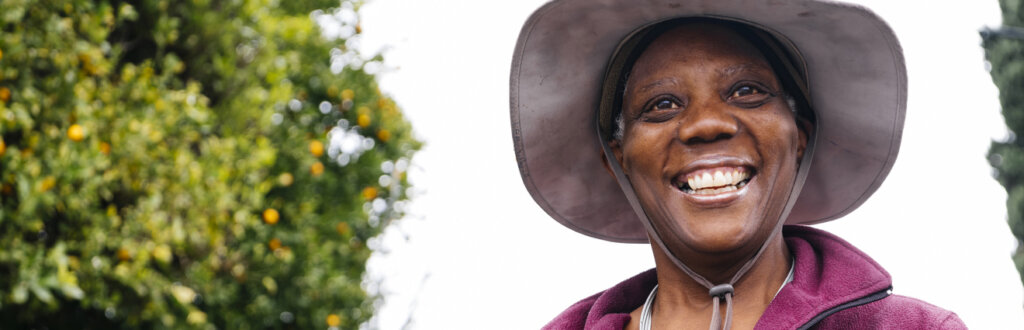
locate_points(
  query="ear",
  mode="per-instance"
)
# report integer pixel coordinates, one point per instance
(804, 129)
(616, 148)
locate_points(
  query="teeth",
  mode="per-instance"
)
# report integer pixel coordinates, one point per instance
(716, 182)
(720, 179)
(713, 191)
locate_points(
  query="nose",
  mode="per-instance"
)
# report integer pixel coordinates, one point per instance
(706, 124)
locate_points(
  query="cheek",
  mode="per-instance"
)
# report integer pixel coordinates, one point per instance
(781, 136)
(642, 146)
(789, 140)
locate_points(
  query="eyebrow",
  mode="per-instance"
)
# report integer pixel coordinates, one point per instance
(659, 83)
(739, 68)
(723, 72)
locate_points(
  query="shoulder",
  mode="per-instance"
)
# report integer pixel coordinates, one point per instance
(608, 309)
(574, 317)
(894, 312)
(830, 273)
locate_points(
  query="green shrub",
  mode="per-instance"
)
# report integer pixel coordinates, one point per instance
(190, 164)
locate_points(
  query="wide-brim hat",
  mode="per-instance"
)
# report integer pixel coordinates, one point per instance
(855, 74)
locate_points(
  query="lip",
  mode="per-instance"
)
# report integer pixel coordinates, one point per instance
(711, 162)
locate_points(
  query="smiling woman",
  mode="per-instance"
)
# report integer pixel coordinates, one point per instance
(719, 122)
(701, 102)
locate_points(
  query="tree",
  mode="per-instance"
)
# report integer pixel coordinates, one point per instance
(1004, 49)
(200, 164)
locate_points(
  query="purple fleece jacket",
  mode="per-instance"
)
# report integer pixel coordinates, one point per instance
(835, 286)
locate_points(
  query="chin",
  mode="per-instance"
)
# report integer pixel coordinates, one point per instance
(718, 236)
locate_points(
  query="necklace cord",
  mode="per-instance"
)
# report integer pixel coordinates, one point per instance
(646, 313)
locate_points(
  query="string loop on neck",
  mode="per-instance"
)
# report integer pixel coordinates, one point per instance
(716, 318)
(721, 290)
(728, 311)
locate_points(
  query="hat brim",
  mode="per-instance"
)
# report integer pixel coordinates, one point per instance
(855, 73)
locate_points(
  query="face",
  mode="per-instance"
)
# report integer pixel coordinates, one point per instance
(710, 144)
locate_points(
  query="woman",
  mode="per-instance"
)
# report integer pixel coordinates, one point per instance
(718, 122)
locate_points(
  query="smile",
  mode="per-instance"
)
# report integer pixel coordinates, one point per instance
(713, 181)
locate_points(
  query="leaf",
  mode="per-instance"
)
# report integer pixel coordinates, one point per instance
(20, 293)
(72, 291)
(183, 294)
(42, 293)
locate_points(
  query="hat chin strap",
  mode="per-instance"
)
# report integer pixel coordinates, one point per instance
(725, 290)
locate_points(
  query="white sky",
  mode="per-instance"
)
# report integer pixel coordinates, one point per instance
(476, 252)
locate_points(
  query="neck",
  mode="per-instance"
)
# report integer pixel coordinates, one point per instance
(680, 298)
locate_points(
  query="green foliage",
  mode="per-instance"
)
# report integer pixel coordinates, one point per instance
(198, 164)
(1004, 49)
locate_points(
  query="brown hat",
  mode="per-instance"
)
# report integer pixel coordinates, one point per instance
(856, 86)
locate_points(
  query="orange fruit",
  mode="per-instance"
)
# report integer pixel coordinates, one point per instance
(5, 94)
(3, 147)
(274, 244)
(369, 193)
(383, 135)
(317, 169)
(333, 320)
(270, 216)
(47, 184)
(124, 254)
(76, 133)
(316, 148)
(343, 228)
(105, 148)
(363, 120)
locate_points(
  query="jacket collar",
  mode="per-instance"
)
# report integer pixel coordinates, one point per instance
(829, 273)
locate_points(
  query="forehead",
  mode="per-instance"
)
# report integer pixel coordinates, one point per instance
(699, 43)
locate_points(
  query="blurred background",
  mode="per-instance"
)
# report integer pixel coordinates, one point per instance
(325, 164)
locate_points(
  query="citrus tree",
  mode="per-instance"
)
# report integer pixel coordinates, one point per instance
(196, 164)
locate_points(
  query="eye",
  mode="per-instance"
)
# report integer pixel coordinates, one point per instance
(663, 104)
(746, 90)
(749, 95)
(660, 108)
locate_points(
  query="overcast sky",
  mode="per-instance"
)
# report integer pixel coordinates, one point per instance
(476, 250)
